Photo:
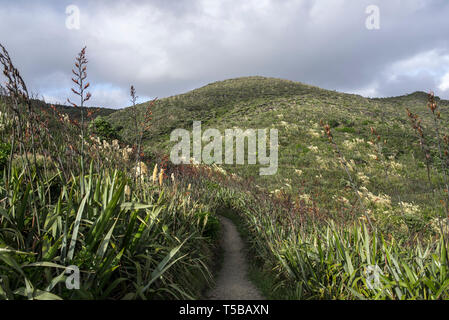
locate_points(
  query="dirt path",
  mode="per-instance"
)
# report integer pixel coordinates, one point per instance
(233, 282)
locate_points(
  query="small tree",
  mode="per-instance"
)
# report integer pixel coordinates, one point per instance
(103, 128)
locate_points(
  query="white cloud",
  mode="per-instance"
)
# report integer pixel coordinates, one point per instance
(165, 48)
(433, 60)
(370, 91)
(444, 83)
(419, 72)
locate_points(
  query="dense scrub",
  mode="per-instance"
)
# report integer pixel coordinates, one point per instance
(69, 199)
(309, 256)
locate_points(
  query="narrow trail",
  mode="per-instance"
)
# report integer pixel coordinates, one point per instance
(232, 282)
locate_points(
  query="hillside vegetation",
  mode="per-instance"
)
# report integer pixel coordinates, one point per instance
(358, 189)
(380, 146)
(346, 163)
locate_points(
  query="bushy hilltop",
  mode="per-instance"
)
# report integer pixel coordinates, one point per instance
(374, 137)
(252, 100)
(210, 103)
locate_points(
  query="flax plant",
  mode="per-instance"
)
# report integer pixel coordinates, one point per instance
(81, 85)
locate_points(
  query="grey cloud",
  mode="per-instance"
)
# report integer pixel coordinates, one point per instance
(169, 47)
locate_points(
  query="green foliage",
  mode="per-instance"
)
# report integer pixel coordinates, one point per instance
(149, 247)
(103, 128)
(5, 151)
(307, 163)
(345, 129)
(211, 224)
(333, 123)
(331, 261)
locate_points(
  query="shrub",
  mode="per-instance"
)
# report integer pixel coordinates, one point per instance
(333, 123)
(101, 127)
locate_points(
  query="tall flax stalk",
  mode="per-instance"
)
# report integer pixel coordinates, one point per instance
(18, 95)
(140, 126)
(432, 105)
(23, 130)
(81, 85)
(136, 124)
(436, 116)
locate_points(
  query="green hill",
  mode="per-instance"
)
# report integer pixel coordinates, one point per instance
(235, 101)
(388, 165)
(212, 102)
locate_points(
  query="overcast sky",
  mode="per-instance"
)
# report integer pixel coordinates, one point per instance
(170, 47)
